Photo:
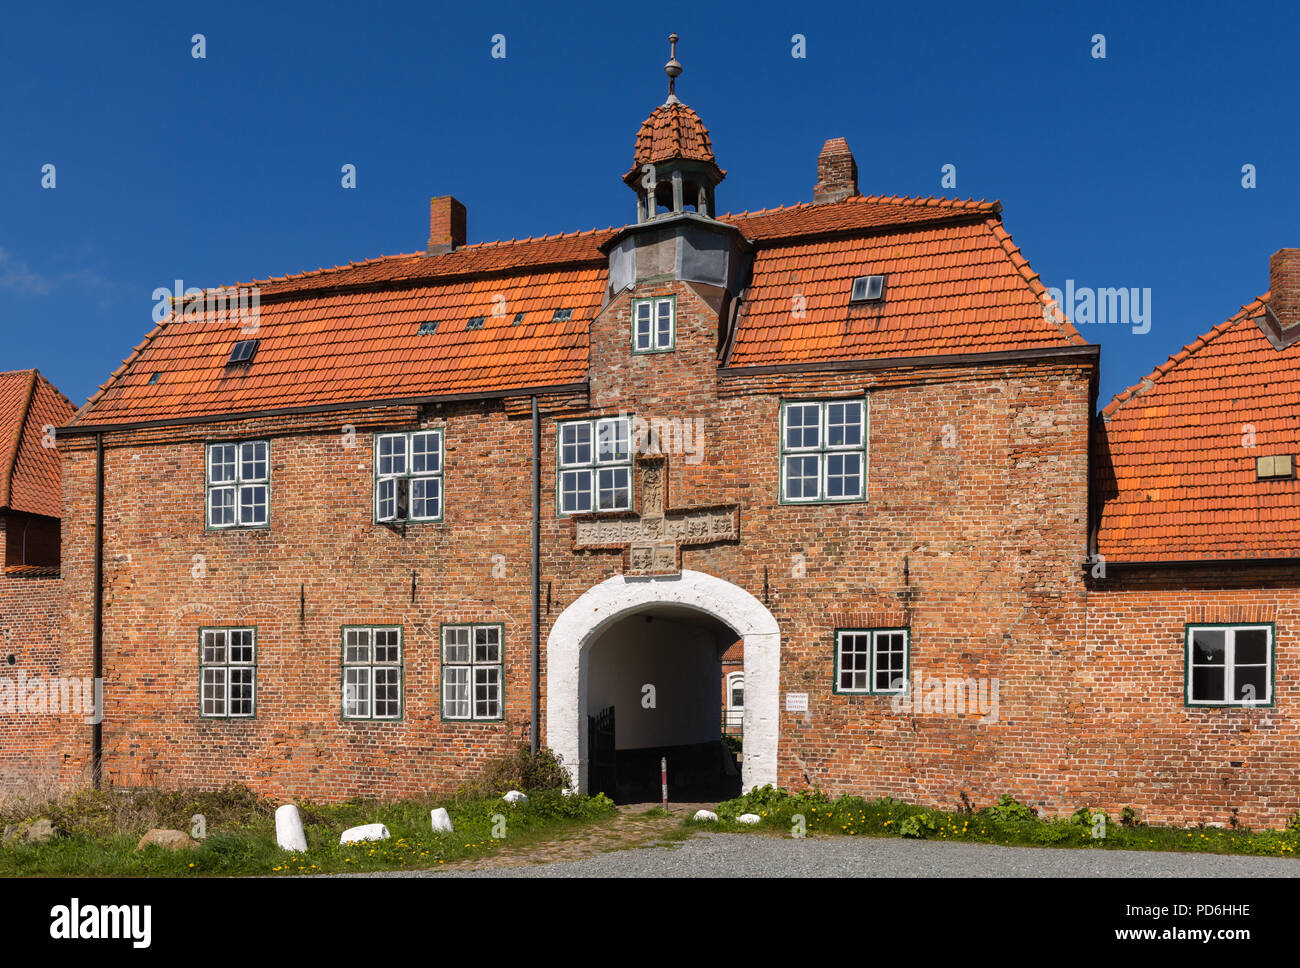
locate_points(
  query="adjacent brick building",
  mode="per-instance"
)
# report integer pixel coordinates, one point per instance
(30, 585)
(364, 532)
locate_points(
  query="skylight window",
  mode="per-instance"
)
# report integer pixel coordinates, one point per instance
(561, 315)
(428, 328)
(476, 322)
(868, 289)
(519, 318)
(1273, 468)
(153, 380)
(242, 352)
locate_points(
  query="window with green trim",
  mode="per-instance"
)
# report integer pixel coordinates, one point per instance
(1229, 665)
(823, 450)
(654, 325)
(372, 672)
(595, 465)
(227, 673)
(238, 484)
(408, 476)
(871, 660)
(473, 672)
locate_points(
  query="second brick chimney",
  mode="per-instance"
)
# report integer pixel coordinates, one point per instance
(1284, 287)
(837, 173)
(446, 224)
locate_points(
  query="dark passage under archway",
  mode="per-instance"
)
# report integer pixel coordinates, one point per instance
(654, 690)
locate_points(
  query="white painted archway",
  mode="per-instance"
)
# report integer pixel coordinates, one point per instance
(579, 625)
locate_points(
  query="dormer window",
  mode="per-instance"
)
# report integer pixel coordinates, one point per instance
(654, 325)
(868, 289)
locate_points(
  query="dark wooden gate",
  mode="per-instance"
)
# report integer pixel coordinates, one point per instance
(601, 774)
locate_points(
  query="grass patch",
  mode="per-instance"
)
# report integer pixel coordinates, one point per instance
(1006, 823)
(103, 827)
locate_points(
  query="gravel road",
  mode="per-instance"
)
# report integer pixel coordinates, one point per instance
(753, 855)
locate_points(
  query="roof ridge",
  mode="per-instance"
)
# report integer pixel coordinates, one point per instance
(1247, 311)
(359, 263)
(919, 201)
(9, 460)
(1035, 282)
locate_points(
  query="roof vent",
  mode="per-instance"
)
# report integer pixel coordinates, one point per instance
(868, 289)
(562, 315)
(475, 322)
(242, 352)
(428, 328)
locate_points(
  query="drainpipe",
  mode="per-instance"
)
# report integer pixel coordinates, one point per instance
(535, 584)
(97, 643)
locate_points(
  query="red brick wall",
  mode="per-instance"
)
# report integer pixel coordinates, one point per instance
(31, 740)
(989, 529)
(1136, 742)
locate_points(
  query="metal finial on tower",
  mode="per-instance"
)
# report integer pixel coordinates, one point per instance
(672, 68)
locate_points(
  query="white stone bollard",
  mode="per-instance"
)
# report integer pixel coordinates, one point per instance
(441, 821)
(705, 815)
(370, 831)
(514, 796)
(749, 818)
(288, 828)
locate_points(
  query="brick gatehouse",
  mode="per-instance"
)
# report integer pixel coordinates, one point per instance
(391, 518)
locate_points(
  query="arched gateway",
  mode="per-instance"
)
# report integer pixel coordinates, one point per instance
(581, 624)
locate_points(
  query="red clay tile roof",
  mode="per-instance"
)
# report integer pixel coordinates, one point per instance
(29, 471)
(673, 130)
(349, 334)
(1174, 479)
(955, 287)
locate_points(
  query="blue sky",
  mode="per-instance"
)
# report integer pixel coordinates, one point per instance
(1124, 171)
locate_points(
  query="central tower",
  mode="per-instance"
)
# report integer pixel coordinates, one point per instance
(676, 236)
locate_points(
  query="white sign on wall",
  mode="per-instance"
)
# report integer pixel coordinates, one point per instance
(796, 702)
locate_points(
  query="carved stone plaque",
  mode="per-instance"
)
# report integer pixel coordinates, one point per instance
(654, 539)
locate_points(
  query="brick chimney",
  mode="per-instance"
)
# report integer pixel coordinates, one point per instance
(446, 224)
(837, 173)
(1284, 288)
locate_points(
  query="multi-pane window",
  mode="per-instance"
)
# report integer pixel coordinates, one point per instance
(408, 476)
(1229, 665)
(871, 660)
(654, 325)
(372, 672)
(227, 673)
(238, 484)
(472, 672)
(595, 465)
(823, 450)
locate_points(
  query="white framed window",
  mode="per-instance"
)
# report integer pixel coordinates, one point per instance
(654, 324)
(227, 673)
(238, 484)
(871, 661)
(594, 470)
(408, 476)
(473, 672)
(372, 672)
(823, 450)
(1229, 665)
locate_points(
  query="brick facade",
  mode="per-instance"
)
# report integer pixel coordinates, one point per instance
(32, 740)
